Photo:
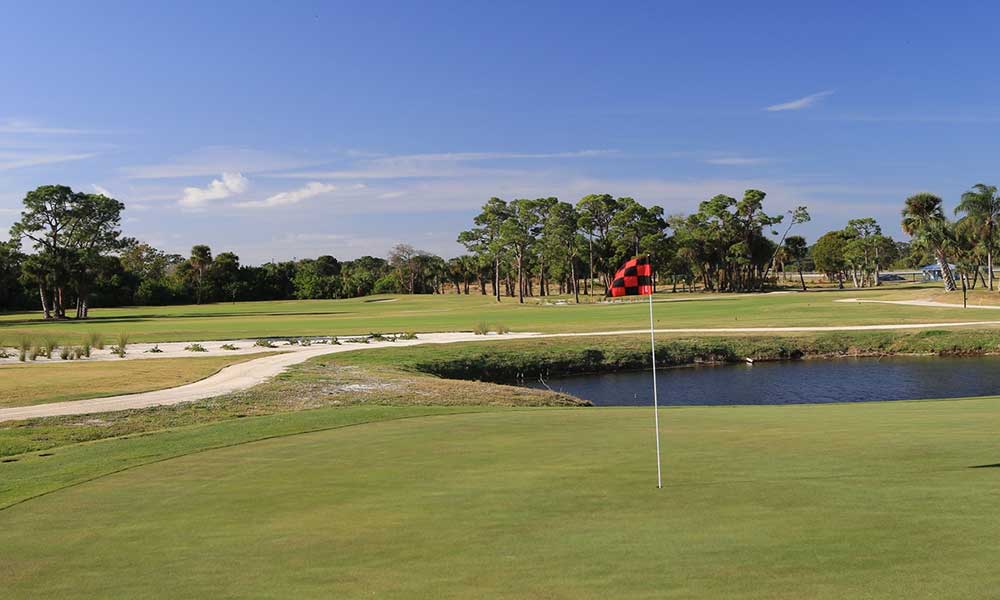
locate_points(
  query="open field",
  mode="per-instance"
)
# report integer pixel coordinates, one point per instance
(431, 313)
(29, 384)
(874, 501)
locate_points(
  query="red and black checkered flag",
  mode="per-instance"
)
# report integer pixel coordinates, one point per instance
(635, 278)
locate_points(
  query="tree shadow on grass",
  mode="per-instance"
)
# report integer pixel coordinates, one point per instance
(158, 317)
(993, 466)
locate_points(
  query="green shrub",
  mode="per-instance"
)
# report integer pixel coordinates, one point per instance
(34, 352)
(378, 337)
(154, 350)
(229, 347)
(196, 348)
(264, 343)
(408, 335)
(84, 349)
(65, 353)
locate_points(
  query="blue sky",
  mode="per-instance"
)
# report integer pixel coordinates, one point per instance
(283, 130)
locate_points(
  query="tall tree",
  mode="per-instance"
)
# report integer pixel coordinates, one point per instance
(797, 250)
(485, 239)
(981, 205)
(596, 212)
(924, 221)
(68, 231)
(201, 262)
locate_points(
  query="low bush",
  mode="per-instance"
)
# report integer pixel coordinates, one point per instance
(66, 353)
(408, 335)
(229, 347)
(264, 343)
(482, 328)
(154, 350)
(196, 348)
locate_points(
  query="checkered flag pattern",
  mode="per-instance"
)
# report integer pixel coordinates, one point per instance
(635, 278)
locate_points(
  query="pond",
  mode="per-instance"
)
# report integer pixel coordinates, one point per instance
(792, 382)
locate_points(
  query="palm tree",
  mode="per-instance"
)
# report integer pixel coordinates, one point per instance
(981, 204)
(924, 221)
(201, 260)
(797, 250)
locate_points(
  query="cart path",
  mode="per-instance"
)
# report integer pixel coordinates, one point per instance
(248, 374)
(925, 303)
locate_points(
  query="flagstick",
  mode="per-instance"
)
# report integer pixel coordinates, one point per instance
(656, 404)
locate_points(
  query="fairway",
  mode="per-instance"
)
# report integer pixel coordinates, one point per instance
(843, 501)
(440, 313)
(39, 383)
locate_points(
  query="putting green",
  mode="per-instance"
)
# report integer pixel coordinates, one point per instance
(844, 501)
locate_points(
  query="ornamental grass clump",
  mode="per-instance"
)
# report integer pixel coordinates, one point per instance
(49, 344)
(93, 340)
(229, 347)
(264, 343)
(119, 349)
(482, 328)
(196, 348)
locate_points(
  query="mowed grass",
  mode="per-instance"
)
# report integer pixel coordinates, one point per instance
(431, 313)
(23, 385)
(882, 500)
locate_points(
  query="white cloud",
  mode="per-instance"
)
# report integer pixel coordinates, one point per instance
(14, 160)
(27, 127)
(800, 103)
(309, 190)
(736, 161)
(101, 190)
(448, 164)
(208, 161)
(231, 184)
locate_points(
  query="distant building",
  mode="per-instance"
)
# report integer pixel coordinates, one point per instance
(932, 272)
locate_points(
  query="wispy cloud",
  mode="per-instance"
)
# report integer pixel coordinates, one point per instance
(231, 184)
(736, 161)
(23, 126)
(310, 190)
(101, 190)
(448, 164)
(218, 159)
(800, 103)
(16, 160)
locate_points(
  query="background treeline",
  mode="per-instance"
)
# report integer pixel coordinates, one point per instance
(77, 257)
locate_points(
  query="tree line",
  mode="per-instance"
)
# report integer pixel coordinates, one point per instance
(521, 248)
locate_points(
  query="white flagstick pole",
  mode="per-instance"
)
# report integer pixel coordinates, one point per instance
(656, 404)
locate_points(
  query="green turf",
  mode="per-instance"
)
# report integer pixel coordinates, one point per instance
(462, 313)
(875, 500)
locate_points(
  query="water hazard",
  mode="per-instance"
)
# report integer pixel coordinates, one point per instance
(792, 382)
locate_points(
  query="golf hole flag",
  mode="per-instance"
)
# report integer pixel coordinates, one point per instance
(635, 278)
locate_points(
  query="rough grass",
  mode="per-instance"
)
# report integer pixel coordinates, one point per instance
(463, 313)
(879, 500)
(316, 384)
(29, 384)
